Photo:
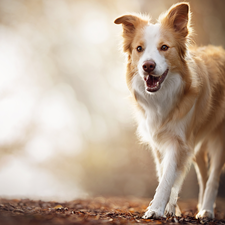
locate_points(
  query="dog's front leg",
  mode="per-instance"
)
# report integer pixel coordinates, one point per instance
(174, 163)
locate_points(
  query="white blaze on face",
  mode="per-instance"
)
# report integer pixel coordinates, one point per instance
(151, 51)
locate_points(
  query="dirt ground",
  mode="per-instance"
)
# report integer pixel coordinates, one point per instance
(99, 210)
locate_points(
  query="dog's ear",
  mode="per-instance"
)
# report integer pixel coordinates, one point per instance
(178, 16)
(130, 24)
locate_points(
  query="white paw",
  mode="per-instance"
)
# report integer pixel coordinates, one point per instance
(170, 210)
(205, 214)
(177, 211)
(152, 213)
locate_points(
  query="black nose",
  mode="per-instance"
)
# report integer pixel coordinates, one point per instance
(148, 66)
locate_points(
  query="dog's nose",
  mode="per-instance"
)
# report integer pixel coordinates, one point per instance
(148, 66)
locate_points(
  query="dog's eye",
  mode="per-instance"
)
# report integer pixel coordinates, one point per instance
(139, 48)
(164, 48)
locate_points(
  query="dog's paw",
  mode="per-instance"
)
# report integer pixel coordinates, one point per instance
(177, 211)
(205, 214)
(172, 210)
(152, 214)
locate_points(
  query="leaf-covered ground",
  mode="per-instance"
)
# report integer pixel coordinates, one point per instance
(99, 210)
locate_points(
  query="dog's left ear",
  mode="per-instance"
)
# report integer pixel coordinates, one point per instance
(178, 16)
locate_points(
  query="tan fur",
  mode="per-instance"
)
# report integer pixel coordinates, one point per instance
(203, 73)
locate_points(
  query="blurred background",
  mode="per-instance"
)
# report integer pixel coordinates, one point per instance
(66, 123)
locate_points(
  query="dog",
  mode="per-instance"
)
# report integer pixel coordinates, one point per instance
(179, 93)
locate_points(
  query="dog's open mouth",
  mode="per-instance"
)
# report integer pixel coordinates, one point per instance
(153, 83)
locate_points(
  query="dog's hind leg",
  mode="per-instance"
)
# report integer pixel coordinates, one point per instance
(216, 151)
(201, 171)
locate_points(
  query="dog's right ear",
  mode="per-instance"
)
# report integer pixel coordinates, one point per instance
(128, 21)
(130, 24)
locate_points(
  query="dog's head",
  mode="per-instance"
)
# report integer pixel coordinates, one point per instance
(156, 50)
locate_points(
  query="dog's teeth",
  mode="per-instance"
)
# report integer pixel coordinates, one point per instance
(146, 77)
(157, 83)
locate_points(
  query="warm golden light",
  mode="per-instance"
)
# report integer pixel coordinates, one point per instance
(66, 123)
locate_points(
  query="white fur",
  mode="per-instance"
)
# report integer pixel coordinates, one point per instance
(151, 37)
(157, 106)
(163, 191)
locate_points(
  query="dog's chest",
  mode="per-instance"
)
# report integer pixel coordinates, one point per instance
(157, 109)
(151, 123)
(157, 132)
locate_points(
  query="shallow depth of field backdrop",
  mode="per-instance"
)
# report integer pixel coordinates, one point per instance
(66, 123)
